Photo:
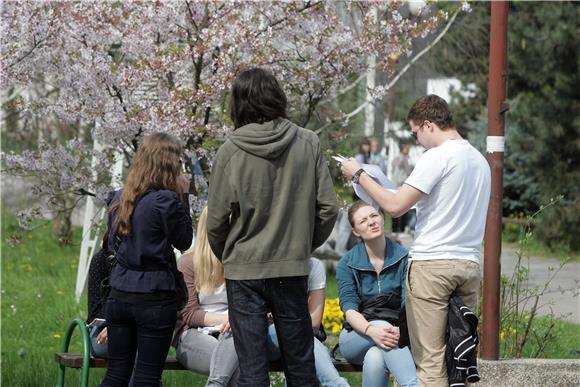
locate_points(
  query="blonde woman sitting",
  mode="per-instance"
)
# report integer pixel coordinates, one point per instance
(204, 343)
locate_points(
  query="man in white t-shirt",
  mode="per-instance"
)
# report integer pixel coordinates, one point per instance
(450, 187)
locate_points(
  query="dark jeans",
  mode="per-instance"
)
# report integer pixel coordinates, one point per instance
(148, 328)
(287, 299)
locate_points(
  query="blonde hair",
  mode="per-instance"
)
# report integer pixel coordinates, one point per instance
(156, 166)
(209, 271)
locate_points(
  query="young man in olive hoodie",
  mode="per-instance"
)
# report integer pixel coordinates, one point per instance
(271, 203)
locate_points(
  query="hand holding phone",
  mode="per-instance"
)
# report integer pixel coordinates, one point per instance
(96, 322)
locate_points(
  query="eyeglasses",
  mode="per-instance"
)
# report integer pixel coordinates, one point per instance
(414, 134)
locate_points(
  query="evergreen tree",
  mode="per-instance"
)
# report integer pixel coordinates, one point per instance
(543, 125)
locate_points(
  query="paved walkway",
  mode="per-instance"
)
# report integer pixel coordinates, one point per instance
(559, 297)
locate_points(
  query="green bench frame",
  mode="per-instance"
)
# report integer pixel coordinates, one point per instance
(85, 361)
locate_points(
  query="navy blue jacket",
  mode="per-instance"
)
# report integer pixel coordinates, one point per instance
(358, 281)
(160, 221)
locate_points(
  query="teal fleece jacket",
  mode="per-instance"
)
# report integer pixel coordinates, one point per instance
(271, 201)
(358, 281)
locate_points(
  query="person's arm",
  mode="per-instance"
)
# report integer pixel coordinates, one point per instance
(219, 206)
(316, 306)
(176, 218)
(383, 337)
(326, 203)
(192, 314)
(396, 204)
(212, 319)
(347, 288)
(316, 286)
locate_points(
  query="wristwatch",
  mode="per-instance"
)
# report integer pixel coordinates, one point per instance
(356, 176)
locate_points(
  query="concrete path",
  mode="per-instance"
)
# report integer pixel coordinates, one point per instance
(560, 296)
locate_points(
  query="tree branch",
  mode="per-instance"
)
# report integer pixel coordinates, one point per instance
(395, 79)
(307, 6)
(35, 44)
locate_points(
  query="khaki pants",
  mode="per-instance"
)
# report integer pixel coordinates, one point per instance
(429, 286)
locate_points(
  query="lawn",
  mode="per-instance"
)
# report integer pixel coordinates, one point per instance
(511, 235)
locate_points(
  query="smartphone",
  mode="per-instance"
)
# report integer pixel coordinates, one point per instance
(97, 321)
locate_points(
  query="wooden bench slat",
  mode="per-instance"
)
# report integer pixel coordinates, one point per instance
(75, 360)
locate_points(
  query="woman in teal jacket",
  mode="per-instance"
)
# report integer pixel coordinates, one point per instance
(376, 266)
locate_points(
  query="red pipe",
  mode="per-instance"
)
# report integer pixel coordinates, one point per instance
(495, 155)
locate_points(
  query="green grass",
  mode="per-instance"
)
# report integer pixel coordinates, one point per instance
(562, 342)
(511, 234)
(538, 250)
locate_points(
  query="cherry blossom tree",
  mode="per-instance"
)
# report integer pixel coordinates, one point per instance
(119, 70)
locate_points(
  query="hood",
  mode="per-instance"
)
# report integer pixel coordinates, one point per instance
(268, 140)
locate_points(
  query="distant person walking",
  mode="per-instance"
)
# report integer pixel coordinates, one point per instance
(271, 203)
(376, 156)
(450, 186)
(364, 151)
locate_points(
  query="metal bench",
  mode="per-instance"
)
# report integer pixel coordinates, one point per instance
(84, 361)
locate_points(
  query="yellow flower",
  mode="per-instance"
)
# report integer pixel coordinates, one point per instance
(25, 266)
(333, 317)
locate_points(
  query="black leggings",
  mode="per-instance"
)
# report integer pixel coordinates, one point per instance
(144, 327)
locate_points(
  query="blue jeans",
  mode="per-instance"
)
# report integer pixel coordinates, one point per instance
(378, 362)
(327, 375)
(208, 355)
(287, 298)
(148, 328)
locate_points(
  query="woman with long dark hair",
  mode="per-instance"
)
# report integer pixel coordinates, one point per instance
(147, 219)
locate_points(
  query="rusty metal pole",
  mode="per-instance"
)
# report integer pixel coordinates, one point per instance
(497, 107)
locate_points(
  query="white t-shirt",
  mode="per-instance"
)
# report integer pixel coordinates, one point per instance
(215, 302)
(456, 180)
(317, 275)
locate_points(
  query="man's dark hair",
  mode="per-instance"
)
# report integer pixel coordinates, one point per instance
(431, 108)
(256, 98)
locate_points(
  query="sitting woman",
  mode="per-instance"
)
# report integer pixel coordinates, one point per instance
(99, 271)
(203, 339)
(325, 371)
(371, 288)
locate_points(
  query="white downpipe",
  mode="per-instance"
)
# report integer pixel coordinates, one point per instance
(94, 214)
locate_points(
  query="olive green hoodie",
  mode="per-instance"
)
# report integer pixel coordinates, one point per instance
(271, 201)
